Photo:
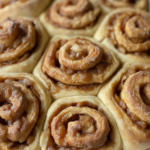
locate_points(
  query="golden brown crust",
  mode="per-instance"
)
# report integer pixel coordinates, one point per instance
(15, 8)
(126, 32)
(74, 18)
(24, 103)
(22, 41)
(109, 5)
(127, 97)
(60, 78)
(80, 126)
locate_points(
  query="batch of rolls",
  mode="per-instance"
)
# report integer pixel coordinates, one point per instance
(74, 75)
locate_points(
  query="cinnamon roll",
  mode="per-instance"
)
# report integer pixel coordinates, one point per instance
(109, 5)
(81, 123)
(75, 66)
(127, 97)
(13, 8)
(80, 17)
(22, 41)
(23, 107)
(126, 32)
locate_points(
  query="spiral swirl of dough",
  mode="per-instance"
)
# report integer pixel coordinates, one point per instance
(19, 111)
(93, 53)
(81, 133)
(132, 31)
(17, 38)
(73, 14)
(136, 84)
(79, 56)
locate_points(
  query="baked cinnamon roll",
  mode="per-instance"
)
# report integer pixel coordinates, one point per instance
(81, 123)
(80, 17)
(109, 5)
(126, 32)
(75, 66)
(22, 41)
(127, 97)
(13, 8)
(23, 107)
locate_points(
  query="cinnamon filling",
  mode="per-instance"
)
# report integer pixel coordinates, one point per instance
(71, 124)
(17, 41)
(129, 33)
(16, 111)
(65, 57)
(135, 101)
(73, 14)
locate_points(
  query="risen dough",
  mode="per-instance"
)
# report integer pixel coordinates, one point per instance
(75, 66)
